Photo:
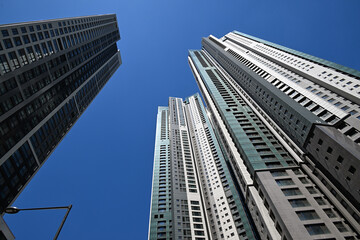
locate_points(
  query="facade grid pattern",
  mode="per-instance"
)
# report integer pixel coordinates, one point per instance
(290, 132)
(50, 71)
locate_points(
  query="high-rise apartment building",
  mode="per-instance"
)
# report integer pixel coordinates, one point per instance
(50, 71)
(193, 193)
(290, 126)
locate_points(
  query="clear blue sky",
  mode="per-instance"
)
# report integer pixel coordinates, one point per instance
(104, 165)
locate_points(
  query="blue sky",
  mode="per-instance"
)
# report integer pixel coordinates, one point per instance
(104, 165)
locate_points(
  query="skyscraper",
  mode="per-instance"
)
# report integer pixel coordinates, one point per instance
(193, 193)
(289, 123)
(50, 71)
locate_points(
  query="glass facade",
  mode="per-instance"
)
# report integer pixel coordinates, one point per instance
(49, 74)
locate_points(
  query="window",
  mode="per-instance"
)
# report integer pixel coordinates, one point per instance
(64, 41)
(7, 43)
(17, 41)
(330, 213)
(4, 65)
(198, 226)
(68, 41)
(31, 54)
(351, 132)
(23, 58)
(161, 229)
(331, 100)
(199, 233)
(23, 30)
(320, 200)
(353, 112)
(302, 202)
(56, 46)
(273, 164)
(26, 39)
(14, 60)
(45, 51)
(329, 150)
(345, 108)
(161, 235)
(340, 226)
(15, 31)
(340, 159)
(307, 215)
(40, 35)
(316, 229)
(278, 173)
(284, 182)
(51, 49)
(33, 37)
(320, 142)
(38, 51)
(5, 33)
(291, 192)
(303, 180)
(344, 203)
(31, 28)
(312, 190)
(352, 170)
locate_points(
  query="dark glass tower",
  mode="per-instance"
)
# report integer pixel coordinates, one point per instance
(50, 71)
(290, 126)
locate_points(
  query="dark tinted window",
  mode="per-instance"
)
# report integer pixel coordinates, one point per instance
(5, 33)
